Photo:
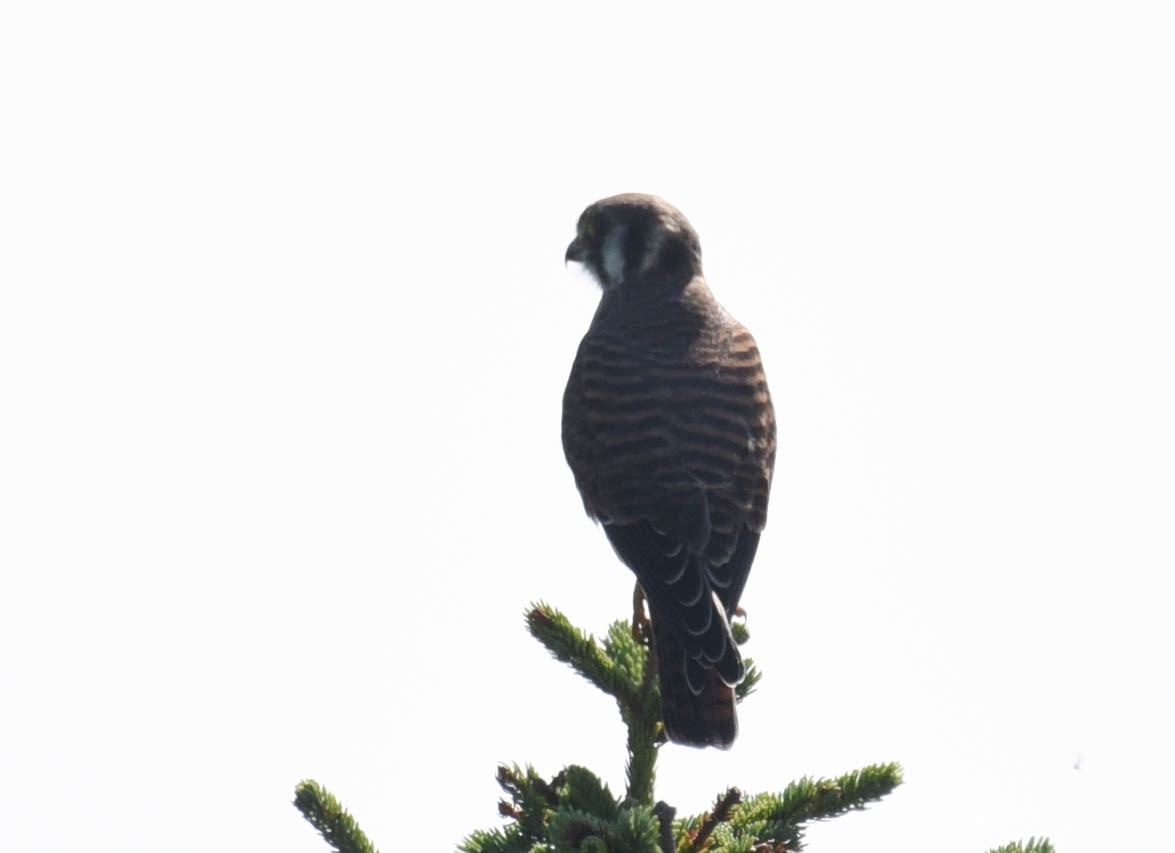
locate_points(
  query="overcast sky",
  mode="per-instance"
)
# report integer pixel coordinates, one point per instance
(284, 327)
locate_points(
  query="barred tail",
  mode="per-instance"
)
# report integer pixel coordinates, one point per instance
(703, 719)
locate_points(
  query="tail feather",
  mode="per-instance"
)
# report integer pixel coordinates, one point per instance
(699, 719)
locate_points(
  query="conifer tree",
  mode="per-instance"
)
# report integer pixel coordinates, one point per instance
(575, 812)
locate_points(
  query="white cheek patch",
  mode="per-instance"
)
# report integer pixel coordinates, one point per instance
(652, 251)
(613, 255)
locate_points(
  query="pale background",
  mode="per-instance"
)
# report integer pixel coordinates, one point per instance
(284, 326)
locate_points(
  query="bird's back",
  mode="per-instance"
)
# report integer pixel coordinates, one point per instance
(667, 417)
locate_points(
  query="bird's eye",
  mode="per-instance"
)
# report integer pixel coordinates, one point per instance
(590, 229)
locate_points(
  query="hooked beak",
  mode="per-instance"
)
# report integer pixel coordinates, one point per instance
(575, 252)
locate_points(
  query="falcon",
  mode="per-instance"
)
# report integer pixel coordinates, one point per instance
(669, 430)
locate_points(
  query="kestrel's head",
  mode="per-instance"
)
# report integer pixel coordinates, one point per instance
(636, 240)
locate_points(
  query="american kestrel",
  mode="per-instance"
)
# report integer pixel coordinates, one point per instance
(669, 430)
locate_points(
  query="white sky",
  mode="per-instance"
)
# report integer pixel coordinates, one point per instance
(284, 326)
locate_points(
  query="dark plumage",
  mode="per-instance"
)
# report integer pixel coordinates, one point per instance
(669, 431)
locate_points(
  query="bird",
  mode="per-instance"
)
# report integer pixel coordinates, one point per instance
(669, 431)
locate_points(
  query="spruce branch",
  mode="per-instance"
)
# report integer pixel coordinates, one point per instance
(820, 799)
(331, 820)
(1032, 845)
(581, 651)
(579, 788)
(623, 668)
(574, 811)
(720, 814)
(779, 819)
(531, 799)
(641, 714)
(750, 681)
